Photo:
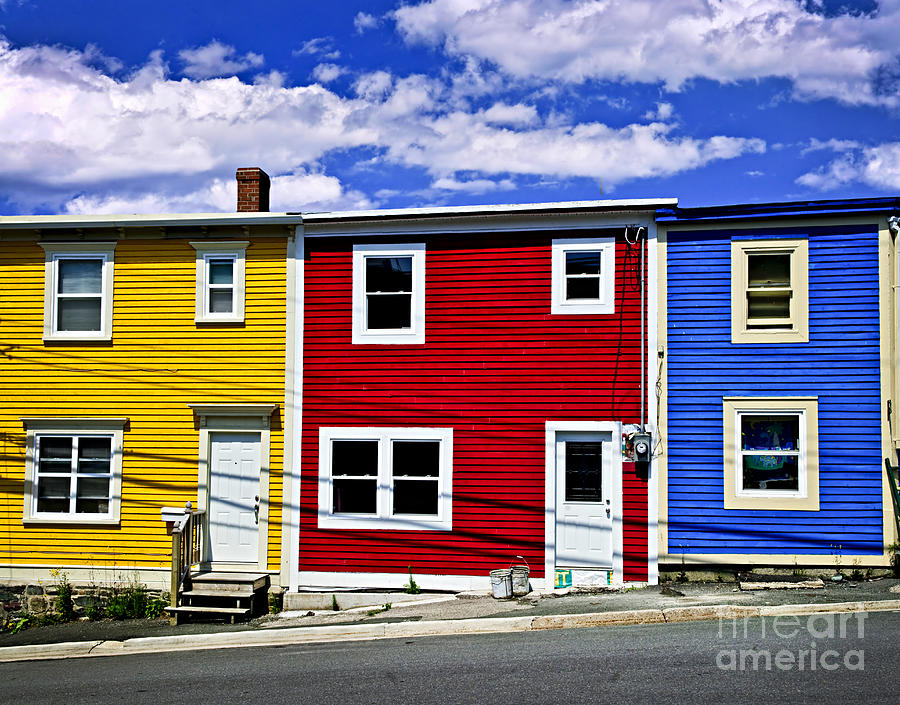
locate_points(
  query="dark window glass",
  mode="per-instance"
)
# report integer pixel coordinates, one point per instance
(352, 496)
(388, 311)
(583, 262)
(416, 497)
(583, 288)
(388, 274)
(761, 304)
(221, 271)
(53, 494)
(584, 472)
(80, 276)
(770, 432)
(221, 300)
(416, 458)
(772, 472)
(770, 270)
(78, 314)
(356, 458)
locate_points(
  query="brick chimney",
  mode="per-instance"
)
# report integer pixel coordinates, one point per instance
(252, 190)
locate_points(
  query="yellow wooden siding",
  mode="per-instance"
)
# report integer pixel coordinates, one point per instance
(159, 361)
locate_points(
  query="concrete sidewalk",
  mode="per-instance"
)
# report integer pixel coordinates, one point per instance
(467, 613)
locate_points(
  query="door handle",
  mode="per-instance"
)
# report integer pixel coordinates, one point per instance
(256, 510)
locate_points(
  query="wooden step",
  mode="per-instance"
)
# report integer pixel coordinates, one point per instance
(229, 581)
(223, 594)
(229, 613)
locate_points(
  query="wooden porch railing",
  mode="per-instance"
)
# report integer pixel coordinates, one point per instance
(187, 548)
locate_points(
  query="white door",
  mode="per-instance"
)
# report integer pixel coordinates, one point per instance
(584, 507)
(234, 497)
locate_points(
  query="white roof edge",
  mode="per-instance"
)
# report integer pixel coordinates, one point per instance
(145, 221)
(499, 209)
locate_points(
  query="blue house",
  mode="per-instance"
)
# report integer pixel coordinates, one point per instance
(777, 334)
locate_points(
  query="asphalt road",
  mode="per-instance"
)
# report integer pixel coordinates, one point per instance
(747, 661)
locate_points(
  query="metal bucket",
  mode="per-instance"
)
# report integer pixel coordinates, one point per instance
(520, 584)
(501, 583)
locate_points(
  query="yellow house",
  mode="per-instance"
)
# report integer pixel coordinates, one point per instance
(143, 367)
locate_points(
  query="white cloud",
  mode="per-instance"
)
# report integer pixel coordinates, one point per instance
(832, 145)
(77, 139)
(754, 173)
(473, 186)
(318, 46)
(670, 43)
(364, 21)
(662, 112)
(217, 59)
(877, 166)
(326, 73)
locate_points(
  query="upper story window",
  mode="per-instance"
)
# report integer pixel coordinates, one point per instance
(583, 271)
(73, 470)
(78, 286)
(771, 453)
(220, 281)
(770, 291)
(385, 478)
(389, 294)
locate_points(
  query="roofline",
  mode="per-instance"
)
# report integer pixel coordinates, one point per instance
(643, 204)
(775, 210)
(51, 222)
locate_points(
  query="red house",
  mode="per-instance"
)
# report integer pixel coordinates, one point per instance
(464, 381)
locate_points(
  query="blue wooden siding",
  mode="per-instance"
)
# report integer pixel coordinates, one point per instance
(839, 365)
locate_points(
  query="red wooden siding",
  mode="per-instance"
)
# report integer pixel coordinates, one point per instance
(495, 367)
(634, 524)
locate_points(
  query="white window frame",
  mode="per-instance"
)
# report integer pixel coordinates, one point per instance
(36, 428)
(383, 519)
(742, 330)
(415, 334)
(806, 497)
(235, 250)
(605, 302)
(54, 252)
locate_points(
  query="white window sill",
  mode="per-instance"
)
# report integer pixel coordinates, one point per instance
(219, 319)
(59, 337)
(410, 338)
(580, 309)
(405, 523)
(72, 519)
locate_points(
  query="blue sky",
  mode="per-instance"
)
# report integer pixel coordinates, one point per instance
(139, 107)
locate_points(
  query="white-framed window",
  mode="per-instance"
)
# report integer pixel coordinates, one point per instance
(220, 281)
(78, 290)
(771, 453)
(769, 291)
(389, 294)
(73, 470)
(584, 275)
(386, 478)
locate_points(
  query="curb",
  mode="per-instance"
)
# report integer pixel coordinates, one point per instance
(394, 630)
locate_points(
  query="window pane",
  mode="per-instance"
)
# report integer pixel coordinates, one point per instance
(584, 472)
(53, 494)
(583, 262)
(772, 472)
(770, 432)
(416, 497)
(582, 288)
(94, 448)
(80, 276)
(388, 274)
(354, 496)
(55, 448)
(354, 458)
(221, 271)
(774, 305)
(416, 458)
(92, 488)
(221, 301)
(91, 506)
(390, 312)
(769, 270)
(78, 314)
